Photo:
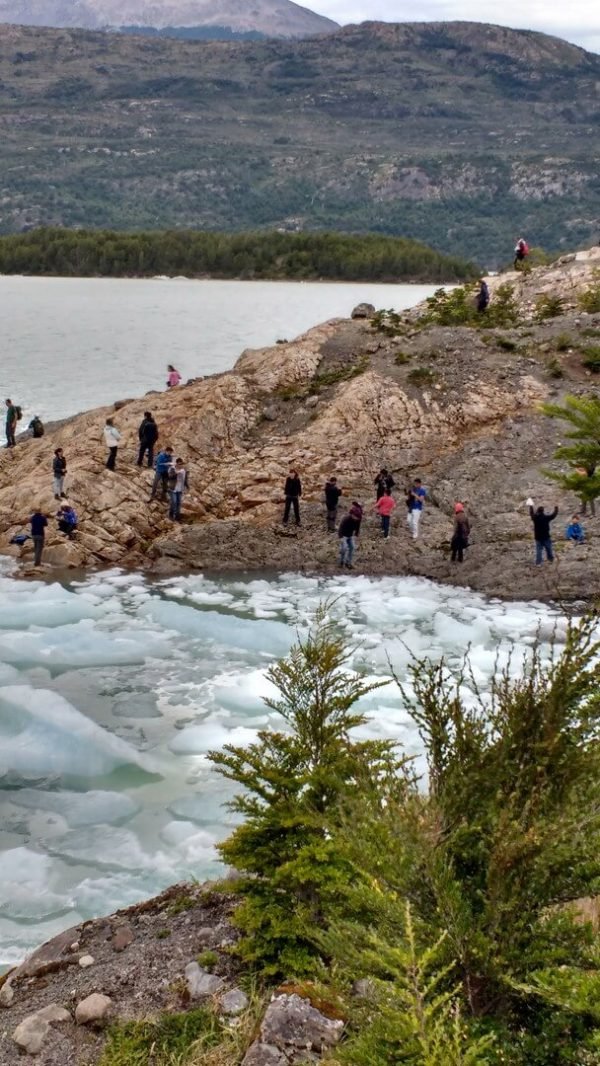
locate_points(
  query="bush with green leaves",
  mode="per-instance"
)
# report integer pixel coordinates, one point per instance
(548, 306)
(458, 307)
(590, 299)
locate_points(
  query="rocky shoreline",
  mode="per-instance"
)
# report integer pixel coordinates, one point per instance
(455, 405)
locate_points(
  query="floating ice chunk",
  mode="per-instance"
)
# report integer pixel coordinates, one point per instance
(207, 808)
(136, 705)
(102, 895)
(82, 644)
(105, 847)
(24, 891)
(42, 734)
(192, 844)
(246, 693)
(198, 739)
(52, 605)
(79, 808)
(272, 638)
(8, 674)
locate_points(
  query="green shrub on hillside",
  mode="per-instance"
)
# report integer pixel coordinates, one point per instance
(590, 299)
(548, 306)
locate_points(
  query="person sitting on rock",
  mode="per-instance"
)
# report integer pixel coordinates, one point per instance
(36, 426)
(67, 521)
(292, 493)
(164, 460)
(174, 377)
(346, 533)
(148, 436)
(383, 481)
(575, 530)
(384, 507)
(332, 497)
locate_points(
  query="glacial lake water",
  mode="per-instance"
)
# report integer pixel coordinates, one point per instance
(113, 688)
(69, 344)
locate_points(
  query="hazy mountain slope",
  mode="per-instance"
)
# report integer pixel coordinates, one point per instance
(458, 134)
(271, 18)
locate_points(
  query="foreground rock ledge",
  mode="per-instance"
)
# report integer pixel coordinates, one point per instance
(341, 399)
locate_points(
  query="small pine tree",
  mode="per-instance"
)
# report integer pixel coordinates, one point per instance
(292, 782)
(582, 415)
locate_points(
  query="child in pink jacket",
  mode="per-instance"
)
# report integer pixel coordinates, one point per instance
(384, 507)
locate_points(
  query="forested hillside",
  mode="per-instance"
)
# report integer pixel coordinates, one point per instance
(249, 255)
(456, 134)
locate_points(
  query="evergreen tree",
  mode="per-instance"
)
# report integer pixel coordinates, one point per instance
(582, 415)
(295, 875)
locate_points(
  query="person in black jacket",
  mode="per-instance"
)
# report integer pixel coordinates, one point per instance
(541, 531)
(148, 435)
(292, 493)
(332, 496)
(346, 537)
(59, 470)
(383, 481)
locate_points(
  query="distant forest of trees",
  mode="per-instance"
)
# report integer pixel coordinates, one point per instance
(333, 256)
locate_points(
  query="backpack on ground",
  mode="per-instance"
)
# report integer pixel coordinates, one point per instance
(18, 412)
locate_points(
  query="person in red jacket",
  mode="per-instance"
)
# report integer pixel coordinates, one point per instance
(384, 507)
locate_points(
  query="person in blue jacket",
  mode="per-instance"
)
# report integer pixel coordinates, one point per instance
(164, 460)
(575, 530)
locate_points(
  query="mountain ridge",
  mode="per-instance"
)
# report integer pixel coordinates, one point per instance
(455, 134)
(264, 18)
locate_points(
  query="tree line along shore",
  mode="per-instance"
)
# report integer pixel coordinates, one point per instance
(260, 255)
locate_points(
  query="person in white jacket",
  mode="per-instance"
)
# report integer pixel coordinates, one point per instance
(112, 438)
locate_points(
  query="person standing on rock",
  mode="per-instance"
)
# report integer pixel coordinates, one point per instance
(11, 423)
(292, 493)
(541, 531)
(164, 460)
(383, 481)
(177, 486)
(332, 497)
(460, 536)
(357, 512)
(174, 377)
(148, 436)
(38, 523)
(483, 296)
(111, 439)
(415, 497)
(384, 507)
(346, 534)
(59, 470)
(521, 252)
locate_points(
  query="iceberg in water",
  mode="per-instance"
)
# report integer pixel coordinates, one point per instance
(272, 638)
(42, 734)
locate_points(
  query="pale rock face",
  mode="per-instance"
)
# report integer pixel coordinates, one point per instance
(33, 1030)
(92, 1009)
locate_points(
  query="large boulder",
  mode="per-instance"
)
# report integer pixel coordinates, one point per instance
(293, 1031)
(33, 1030)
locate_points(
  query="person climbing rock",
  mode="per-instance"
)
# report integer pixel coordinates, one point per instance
(541, 531)
(148, 436)
(178, 482)
(521, 252)
(346, 534)
(483, 296)
(575, 530)
(12, 417)
(174, 377)
(384, 507)
(59, 470)
(415, 497)
(460, 535)
(38, 523)
(164, 460)
(292, 493)
(383, 481)
(111, 439)
(37, 427)
(332, 497)
(67, 521)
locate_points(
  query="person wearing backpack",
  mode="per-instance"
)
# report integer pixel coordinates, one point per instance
(178, 482)
(483, 296)
(521, 252)
(164, 460)
(13, 414)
